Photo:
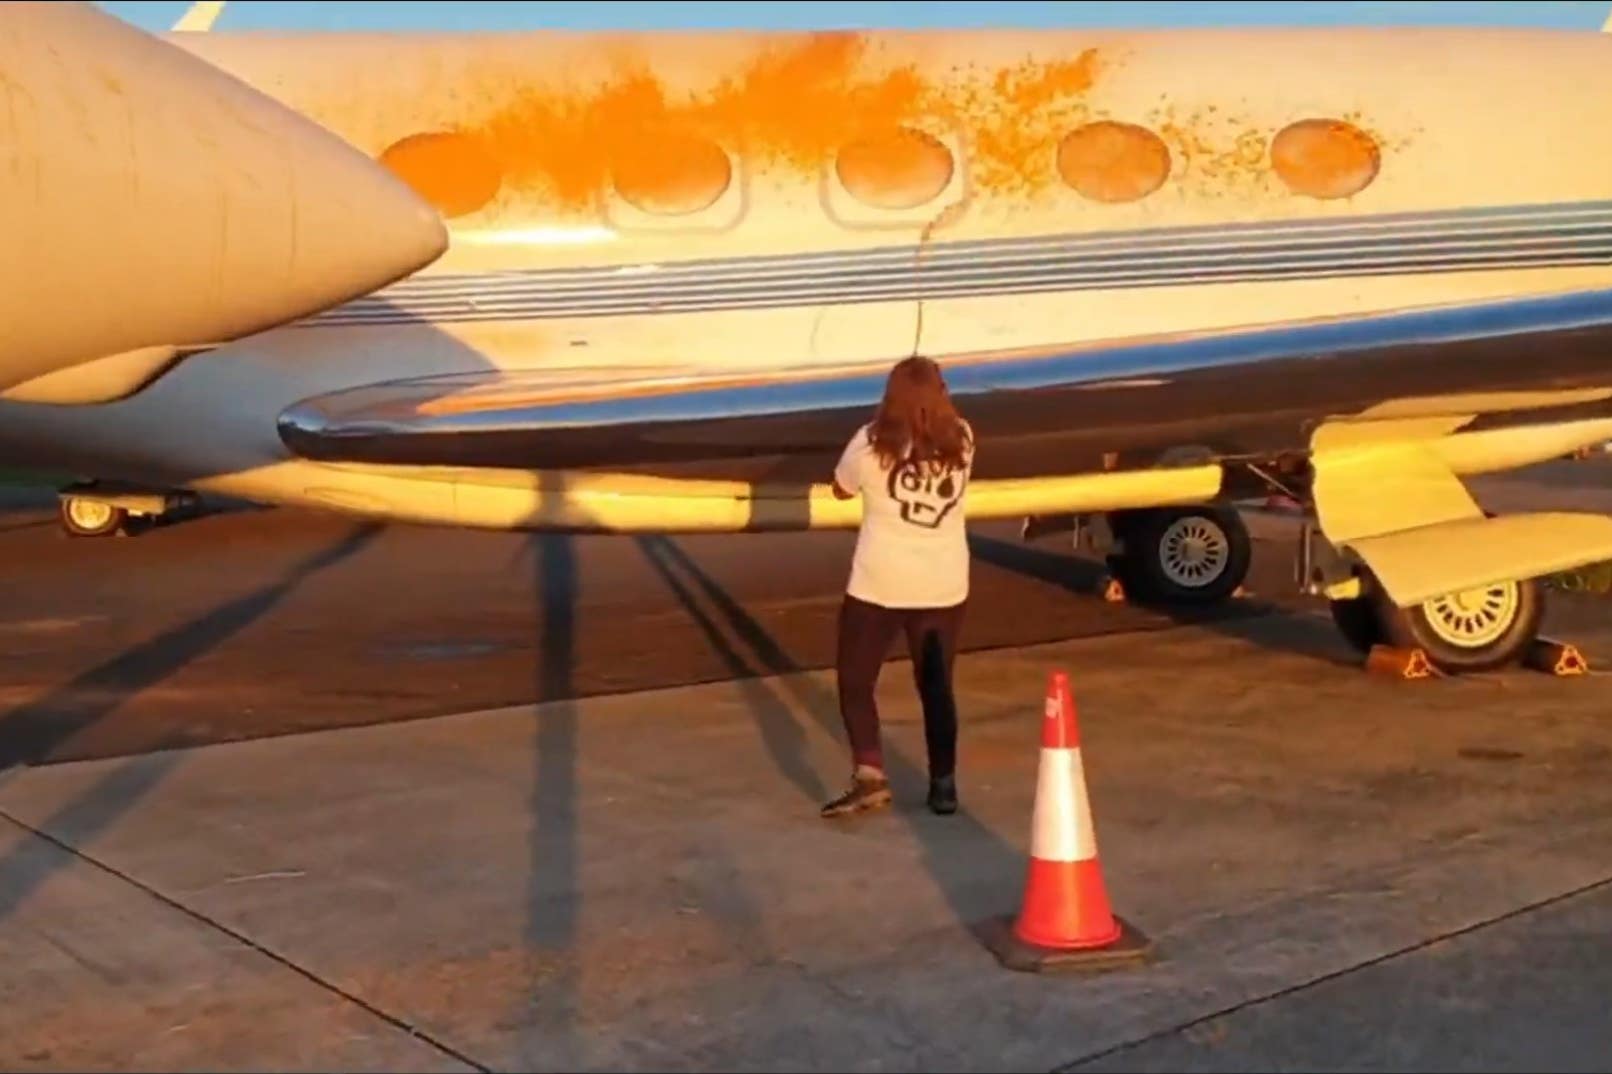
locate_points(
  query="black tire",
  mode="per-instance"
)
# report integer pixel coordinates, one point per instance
(1359, 622)
(1502, 622)
(87, 517)
(1183, 555)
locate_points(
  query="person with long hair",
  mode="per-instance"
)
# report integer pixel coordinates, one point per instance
(910, 572)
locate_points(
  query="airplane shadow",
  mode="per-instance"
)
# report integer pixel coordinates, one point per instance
(965, 858)
(1253, 620)
(31, 733)
(25, 507)
(553, 893)
(785, 739)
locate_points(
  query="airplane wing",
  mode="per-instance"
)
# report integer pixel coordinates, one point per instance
(1259, 391)
(1387, 411)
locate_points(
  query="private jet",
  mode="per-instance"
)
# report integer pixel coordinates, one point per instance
(629, 282)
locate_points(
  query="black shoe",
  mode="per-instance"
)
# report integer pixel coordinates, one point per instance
(866, 793)
(943, 795)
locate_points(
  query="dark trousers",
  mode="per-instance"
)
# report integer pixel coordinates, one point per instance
(866, 631)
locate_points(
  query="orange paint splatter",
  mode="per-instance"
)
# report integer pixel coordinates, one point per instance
(452, 171)
(795, 106)
(1034, 105)
(1113, 162)
(672, 174)
(1325, 158)
(898, 169)
(1216, 155)
(798, 106)
(1017, 126)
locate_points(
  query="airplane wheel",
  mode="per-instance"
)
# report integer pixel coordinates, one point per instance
(1357, 620)
(1478, 630)
(1183, 555)
(84, 517)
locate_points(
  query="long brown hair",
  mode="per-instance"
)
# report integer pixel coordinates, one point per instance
(916, 419)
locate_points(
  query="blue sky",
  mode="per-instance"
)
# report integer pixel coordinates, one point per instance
(658, 14)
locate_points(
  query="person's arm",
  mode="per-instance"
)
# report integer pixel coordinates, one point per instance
(846, 482)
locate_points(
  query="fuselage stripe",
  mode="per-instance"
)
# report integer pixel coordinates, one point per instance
(1433, 243)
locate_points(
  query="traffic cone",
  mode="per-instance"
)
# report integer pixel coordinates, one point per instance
(1065, 921)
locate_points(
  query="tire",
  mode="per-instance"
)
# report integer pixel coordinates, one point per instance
(1183, 555)
(1357, 619)
(1479, 630)
(83, 516)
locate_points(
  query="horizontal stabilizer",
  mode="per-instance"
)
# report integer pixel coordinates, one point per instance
(199, 17)
(1451, 557)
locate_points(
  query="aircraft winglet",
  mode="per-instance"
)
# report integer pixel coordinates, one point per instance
(200, 16)
(1606, 27)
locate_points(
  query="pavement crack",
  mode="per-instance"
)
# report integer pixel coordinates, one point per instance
(893, 1027)
(241, 938)
(1605, 883)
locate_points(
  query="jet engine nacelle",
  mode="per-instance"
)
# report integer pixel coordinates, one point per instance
(151, 203)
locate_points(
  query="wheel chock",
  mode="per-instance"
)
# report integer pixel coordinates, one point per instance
(1398, 663)
(1114, 591)
(1555, 658)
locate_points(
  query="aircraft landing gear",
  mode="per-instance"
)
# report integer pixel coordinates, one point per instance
(1479, 630)
(91, 509)
(1181, 555)
(85, 516)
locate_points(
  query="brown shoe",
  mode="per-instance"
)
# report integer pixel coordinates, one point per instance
(866, 793)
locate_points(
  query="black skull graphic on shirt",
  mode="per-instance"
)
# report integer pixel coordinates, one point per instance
(925, 492)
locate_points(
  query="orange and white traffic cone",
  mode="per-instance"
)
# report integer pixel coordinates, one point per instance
(1065, 920)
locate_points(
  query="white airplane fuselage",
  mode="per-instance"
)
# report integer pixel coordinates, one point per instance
(649, 210)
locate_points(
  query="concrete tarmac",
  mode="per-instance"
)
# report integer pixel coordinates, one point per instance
(1340, 872)
(1525, 993)
(641, 882)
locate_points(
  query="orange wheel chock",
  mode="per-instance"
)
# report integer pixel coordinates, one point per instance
(1555, 658)
(1399, 663)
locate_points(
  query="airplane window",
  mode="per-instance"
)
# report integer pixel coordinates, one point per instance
(898, 169)
(452, 171)
(1113, 162)
(1325, 158)
(672, 174)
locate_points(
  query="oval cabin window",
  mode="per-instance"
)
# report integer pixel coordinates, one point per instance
(897, 169)
(1325, 158)
(1113, 162)
(671, 174)
(452, 171)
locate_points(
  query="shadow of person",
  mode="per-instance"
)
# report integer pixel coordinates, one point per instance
(968, 862)
(783, 737)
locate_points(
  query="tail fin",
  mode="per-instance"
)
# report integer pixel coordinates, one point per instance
(199, 17)
(1606, 27)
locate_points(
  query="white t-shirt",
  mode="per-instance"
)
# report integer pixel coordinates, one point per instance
(912, 549)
